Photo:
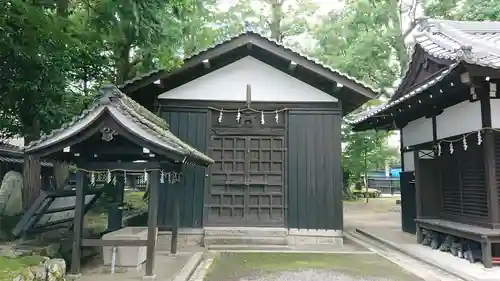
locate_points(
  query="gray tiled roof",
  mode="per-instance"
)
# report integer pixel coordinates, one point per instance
(473, 42)
(20, 160)
(375, 111)
(254, 33)
(10, 149)
(132, 116)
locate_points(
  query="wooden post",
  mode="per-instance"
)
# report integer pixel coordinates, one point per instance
(115, 214)
(418, 183)
(152, 223)
(175, 221)
(249, 96)
(489, 160)
(78, 224)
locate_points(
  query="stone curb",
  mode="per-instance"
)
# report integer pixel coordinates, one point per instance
(408, 253)
(190, 267)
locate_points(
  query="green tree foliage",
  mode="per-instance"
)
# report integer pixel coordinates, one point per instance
(365, 40)
(55, 52)
(463, 9)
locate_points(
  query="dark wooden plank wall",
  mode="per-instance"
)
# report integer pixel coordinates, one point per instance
(429, 178)
(463, 186)
(191, 127)
(314, 171)
(497, 163)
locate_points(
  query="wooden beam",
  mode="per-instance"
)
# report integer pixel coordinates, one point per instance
(108, 150)
(152, 223)
(483, 72)
(113, 243)
(206, 63)
(466, 78)
(78, 225)
(104, 166)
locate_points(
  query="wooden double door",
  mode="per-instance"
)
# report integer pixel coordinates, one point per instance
(246, 185)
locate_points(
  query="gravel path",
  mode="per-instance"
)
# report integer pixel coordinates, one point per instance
(311, 275)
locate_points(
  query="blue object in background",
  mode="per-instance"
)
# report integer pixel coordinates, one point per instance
(395, 172)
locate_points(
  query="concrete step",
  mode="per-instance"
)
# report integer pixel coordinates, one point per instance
(247, 247)
(246, 231)
(244, 240)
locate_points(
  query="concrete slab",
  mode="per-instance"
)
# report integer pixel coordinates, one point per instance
(168, 267)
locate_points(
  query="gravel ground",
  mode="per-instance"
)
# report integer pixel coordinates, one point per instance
(311, 275)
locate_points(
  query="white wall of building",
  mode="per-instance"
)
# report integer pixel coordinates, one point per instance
(229, 83)
(409, 162)
(461, 118)
(495, 113)
(417, 131)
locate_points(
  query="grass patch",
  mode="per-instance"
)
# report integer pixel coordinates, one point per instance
(12, 267)
(234, 266)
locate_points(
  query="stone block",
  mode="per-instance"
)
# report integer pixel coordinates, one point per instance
(126, 256)
(187, 237)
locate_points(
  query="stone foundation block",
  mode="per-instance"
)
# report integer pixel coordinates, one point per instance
(315, 237)
(188, 237)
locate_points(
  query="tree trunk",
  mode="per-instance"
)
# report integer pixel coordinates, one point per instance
(276, 17)
(32, 181)
(61, 174)
(398, 42)
(62, 8)
(123, 66)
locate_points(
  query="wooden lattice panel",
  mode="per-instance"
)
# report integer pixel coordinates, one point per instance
(246, 181)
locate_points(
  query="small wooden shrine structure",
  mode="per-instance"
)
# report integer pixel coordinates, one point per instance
(117, 135)
(447, 109)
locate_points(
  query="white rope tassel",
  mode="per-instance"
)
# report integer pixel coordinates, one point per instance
(108, 176)
(162, 177)
(451, 148)
(125, 177)
(465, 144)
(145, 176)
(479, 138)
(262, 120)
(439, 149)
(220, 117)
(277, 117)
(92, 178)
(238, 116)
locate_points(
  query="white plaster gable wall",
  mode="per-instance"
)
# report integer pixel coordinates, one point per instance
(461, 118)
(495, 113)
(268, 84)
(417, 131)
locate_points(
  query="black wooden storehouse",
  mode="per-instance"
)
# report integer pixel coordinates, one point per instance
(271, 120)
(447, 109)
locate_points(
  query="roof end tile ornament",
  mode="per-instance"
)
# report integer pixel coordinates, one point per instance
(108, 93)
(422, 23)
(464, 52)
